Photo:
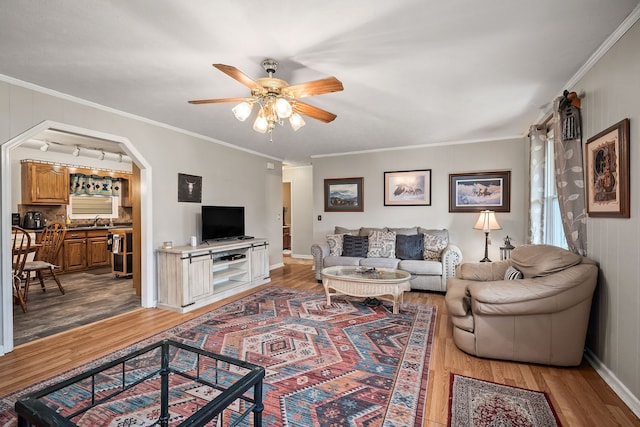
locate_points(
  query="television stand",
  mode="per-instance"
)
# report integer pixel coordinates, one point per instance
(194, 276)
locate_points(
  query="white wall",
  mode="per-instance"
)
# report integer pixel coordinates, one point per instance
(611, 93)
(229, 176)
(301, 179)
(443, 160)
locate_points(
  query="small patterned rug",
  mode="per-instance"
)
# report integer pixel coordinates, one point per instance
(477, 403)
(338, 365)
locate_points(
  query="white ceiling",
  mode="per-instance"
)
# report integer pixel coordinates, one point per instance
(415, 72)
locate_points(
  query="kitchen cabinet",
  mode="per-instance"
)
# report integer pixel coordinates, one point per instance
(193, 276)
(97, 253)
(82, 250)
(125, 193)
(44, 184)
(74, 249)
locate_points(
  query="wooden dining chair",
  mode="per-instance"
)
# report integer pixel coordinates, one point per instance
(20, 248)
(46, 257)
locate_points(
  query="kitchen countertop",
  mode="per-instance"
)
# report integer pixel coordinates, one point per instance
(99, 227)
(72, 227)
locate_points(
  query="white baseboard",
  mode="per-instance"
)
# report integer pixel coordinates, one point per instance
(301, 256)
(612, 381)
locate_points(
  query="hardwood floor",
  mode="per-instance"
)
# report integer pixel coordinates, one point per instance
(579, 395)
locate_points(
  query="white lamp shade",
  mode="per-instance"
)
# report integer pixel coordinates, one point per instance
(261, 124)
(283, 108)
(487, 221)
(296, 121)
(242, 111)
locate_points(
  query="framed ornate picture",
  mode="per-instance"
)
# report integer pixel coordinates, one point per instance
(475, 192)
(344, 195)
(407, 188)
(607, 172)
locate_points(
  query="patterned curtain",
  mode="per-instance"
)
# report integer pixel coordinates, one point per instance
(567, 145)
(537, 167)
(80, 183)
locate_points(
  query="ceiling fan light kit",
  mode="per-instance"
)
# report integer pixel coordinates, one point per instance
(277, 99)
(243, 110)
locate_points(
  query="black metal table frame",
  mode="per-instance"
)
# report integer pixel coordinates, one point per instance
(31, 411)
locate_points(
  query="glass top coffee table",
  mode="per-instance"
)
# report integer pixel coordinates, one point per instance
(166, 384)
(366, 282)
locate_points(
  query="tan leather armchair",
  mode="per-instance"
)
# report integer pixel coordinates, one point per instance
(541, 318)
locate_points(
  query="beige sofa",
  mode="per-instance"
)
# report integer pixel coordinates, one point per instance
(426, 274)
(541, 318)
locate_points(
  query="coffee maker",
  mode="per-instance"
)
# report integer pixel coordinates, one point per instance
(33, 220)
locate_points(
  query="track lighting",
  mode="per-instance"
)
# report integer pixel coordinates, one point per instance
(76, 151)
(45, 147)
(101, 155)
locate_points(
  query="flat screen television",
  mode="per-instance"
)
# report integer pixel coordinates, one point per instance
(222, 222)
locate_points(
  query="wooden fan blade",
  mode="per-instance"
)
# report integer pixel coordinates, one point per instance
(313, 112)
(216, 101)
(316, 87)
(238, 75)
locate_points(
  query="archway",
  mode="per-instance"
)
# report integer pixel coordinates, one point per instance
(148, 292)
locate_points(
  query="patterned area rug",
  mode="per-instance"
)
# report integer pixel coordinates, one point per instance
(343, 364)
(477, 403)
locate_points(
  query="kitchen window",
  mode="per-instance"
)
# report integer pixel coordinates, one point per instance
(88, 207)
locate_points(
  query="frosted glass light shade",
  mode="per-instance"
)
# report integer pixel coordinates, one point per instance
(261, 124)
(296, 121)
(283, 108)
(242, 111)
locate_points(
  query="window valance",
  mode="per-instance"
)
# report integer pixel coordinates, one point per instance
(94, 184)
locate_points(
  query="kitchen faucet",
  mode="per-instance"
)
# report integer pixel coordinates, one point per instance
(95, 220)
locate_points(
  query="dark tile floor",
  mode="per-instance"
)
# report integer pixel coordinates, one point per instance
(89, 297)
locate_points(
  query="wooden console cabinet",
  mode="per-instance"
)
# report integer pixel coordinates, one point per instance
(190, 277)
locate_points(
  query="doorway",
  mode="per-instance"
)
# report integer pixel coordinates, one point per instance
(286, 217)
(143, 269)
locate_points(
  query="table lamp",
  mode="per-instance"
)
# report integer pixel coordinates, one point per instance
(487, 222)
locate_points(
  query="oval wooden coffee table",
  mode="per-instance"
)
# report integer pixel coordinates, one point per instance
(358, 282)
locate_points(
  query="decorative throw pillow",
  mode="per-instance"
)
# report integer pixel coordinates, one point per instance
(513, 273)
(382, 244)
(335, 244)
(409, 246)
(355, 246)
(434, 244)
(344, 230)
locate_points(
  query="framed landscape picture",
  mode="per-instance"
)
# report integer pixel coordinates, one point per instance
(475, 192)
(343, 195)
(407, 188)
(607, 172)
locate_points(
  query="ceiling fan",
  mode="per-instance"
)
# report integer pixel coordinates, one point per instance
(277, 99)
